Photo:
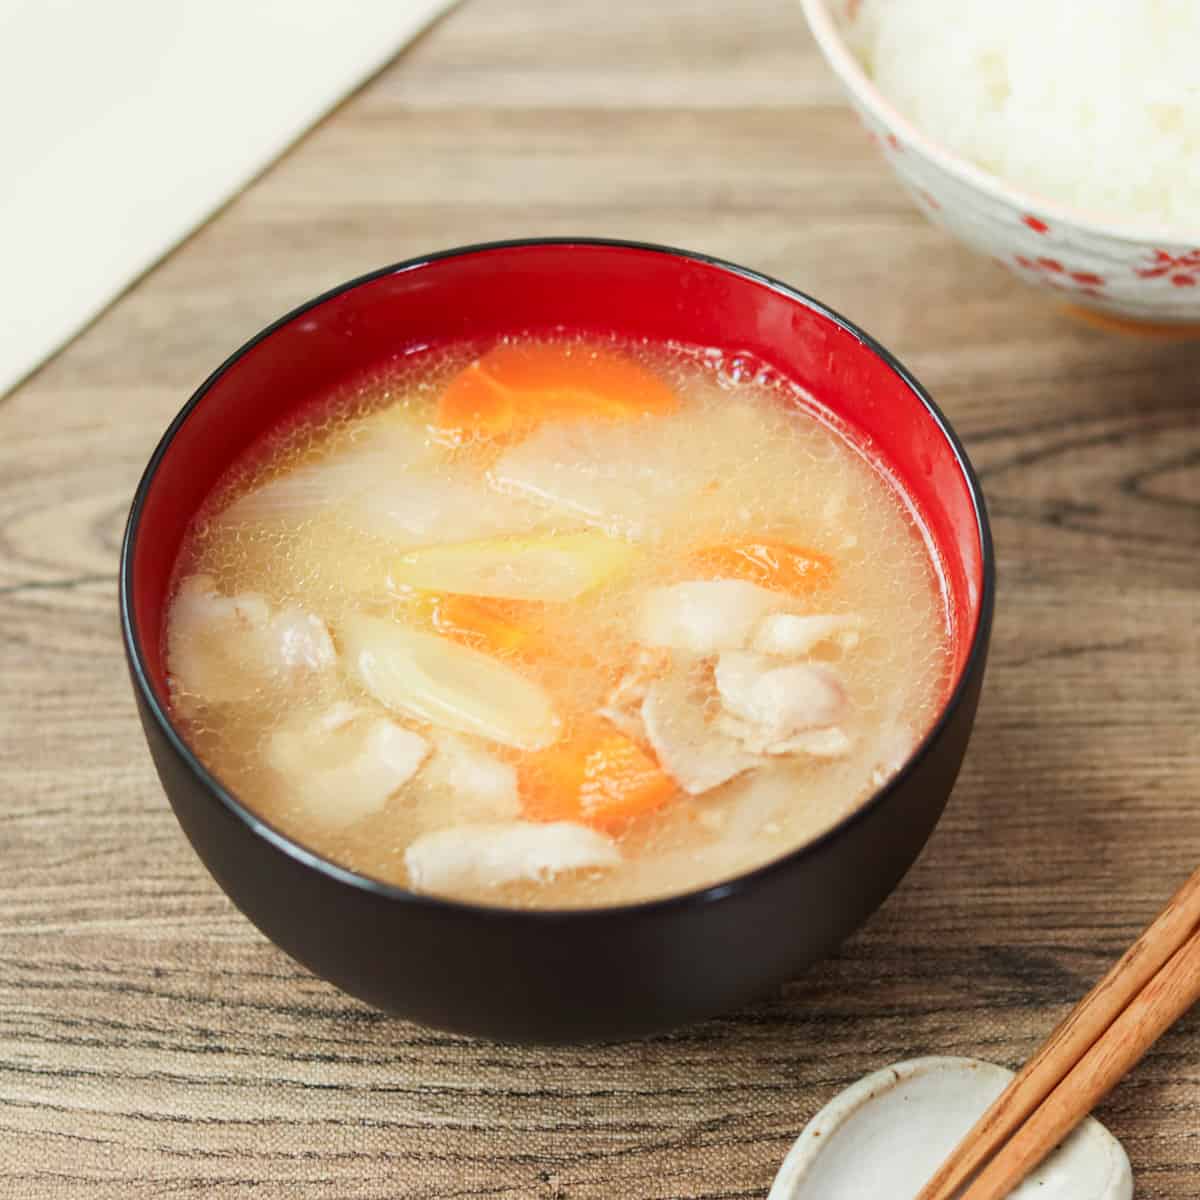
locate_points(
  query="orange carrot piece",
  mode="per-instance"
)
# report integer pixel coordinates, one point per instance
(768, 562)
(597, 776)
(513, 388)
(501, 627)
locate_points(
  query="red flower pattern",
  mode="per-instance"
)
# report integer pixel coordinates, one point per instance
(1058, 276)
(1183, 270)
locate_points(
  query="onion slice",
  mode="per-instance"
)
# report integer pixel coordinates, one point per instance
(549, 567)
(449, 685)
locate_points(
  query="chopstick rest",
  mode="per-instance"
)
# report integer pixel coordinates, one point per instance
(1153, 984)
(883, 1136)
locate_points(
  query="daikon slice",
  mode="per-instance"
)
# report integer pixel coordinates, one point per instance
(369, 494)
(447, 684)
(443, 504)
(615, 477)
(298, 494)
(656, 478)
(382, 446)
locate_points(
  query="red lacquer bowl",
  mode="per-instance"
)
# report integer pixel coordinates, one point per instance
(584, 974)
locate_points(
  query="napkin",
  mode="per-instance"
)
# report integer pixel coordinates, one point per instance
(126, 122)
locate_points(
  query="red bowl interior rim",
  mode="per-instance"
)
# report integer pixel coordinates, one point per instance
(581, 285)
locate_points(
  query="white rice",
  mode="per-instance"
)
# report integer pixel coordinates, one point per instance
(1093, 104)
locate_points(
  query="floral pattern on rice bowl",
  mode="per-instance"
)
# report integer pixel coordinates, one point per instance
(1101, 266)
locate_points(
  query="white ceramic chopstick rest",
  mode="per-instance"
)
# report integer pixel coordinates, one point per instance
(885, 1135)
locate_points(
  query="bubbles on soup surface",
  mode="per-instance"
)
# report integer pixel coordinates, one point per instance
(556, 623)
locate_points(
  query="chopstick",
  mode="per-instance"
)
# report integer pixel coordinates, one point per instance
(1170, 946)
(1156, 1007)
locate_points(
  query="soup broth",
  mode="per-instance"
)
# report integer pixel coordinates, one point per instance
(557, 623)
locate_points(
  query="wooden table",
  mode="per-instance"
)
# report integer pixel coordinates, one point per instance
(152, 1043)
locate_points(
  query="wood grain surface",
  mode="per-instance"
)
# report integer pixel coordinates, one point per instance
(153, 1044)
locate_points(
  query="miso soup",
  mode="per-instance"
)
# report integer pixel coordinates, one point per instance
(557, 623)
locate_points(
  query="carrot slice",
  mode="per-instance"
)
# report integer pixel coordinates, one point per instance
(595, 775)
(513, 388)
(768, 562)
(504, 628)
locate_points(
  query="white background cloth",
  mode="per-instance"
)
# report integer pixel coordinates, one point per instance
(124, 123)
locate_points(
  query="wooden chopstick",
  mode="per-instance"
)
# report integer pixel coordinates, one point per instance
(1069, 1043)
(1150, 1013)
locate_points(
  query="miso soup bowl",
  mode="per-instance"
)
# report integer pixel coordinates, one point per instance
(591, 974)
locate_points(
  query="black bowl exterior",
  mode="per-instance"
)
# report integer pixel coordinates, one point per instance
(591, 974)
(588, 975)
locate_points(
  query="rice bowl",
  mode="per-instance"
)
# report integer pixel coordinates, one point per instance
(1136, 269)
